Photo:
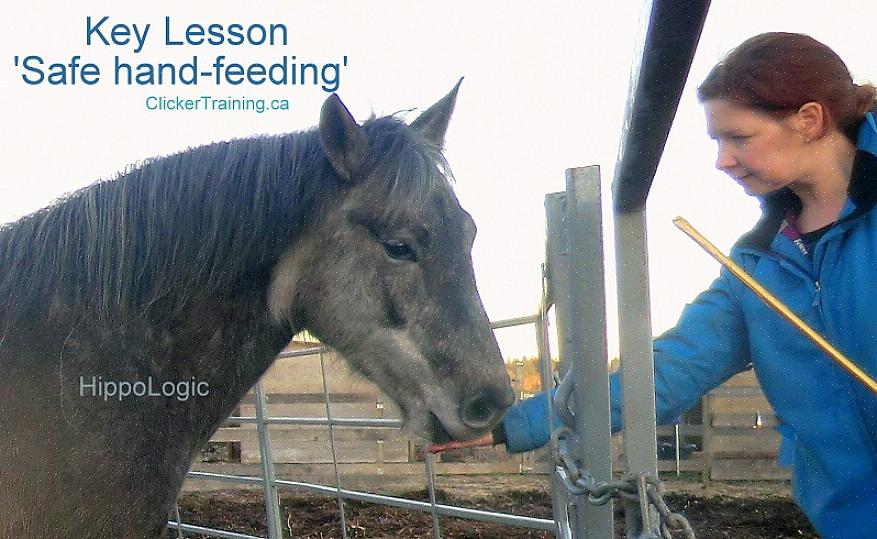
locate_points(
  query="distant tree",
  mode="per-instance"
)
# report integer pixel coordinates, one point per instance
(524, 373)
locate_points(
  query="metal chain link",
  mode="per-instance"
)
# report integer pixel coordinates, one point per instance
(645, 489)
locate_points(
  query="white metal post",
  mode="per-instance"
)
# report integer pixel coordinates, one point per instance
(637, 363)
(272, 500)
(576, 267)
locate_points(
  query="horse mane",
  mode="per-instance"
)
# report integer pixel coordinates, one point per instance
(205, 220)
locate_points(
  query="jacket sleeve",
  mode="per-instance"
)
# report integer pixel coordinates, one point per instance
(707, 346)
(526, 424)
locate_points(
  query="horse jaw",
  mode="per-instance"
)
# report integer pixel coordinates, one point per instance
(429, 403)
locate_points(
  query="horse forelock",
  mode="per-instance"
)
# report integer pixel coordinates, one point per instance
(407, 170)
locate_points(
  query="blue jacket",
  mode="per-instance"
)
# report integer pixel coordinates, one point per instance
(829, 418)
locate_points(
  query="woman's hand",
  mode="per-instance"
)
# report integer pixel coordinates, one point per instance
(484, 440)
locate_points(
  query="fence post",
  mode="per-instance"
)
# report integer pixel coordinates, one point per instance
(272, 499)
(331, 429)
(635, 347)
(576, 267)
(560, 498)
(707, 437)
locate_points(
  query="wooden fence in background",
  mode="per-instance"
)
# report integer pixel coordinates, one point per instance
(732, 434)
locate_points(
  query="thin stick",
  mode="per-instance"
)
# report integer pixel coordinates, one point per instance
(777, 305)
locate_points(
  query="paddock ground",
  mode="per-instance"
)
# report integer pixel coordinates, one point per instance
(743, 510)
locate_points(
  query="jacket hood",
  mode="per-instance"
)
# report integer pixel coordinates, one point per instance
(867, 140)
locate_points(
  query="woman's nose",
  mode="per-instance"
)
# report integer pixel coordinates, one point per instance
(725, 158)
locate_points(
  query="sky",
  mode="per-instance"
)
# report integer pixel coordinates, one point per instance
(544, 90)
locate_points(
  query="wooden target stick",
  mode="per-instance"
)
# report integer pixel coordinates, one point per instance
(777, 305)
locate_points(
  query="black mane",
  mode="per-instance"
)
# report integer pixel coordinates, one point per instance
(212, 218)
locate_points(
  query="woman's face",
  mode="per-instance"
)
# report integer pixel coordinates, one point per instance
(760, 152)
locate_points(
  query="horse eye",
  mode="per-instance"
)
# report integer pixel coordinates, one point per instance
(399, 250)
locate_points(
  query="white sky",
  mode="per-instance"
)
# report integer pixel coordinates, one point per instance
(545, 88)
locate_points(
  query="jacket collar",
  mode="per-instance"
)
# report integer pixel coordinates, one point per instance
(862, 191)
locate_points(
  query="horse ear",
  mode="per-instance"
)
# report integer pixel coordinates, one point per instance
(343, 140)
(433, 123)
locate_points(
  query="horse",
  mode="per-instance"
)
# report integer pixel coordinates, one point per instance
(135, 313)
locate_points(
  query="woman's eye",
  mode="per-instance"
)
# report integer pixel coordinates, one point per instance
(399, 250)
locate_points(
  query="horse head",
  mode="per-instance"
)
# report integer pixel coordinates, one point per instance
(385, 276)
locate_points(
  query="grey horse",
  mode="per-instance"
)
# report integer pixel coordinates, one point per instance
(137, 312)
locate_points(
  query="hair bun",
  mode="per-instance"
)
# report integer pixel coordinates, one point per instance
(866, 98)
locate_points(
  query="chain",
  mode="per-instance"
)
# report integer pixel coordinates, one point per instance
(645, 489)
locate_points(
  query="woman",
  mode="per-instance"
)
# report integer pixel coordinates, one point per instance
(793, 130)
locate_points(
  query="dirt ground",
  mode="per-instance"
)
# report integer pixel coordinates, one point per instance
(738, 510)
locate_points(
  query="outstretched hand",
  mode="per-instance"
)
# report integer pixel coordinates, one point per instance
(484, 440)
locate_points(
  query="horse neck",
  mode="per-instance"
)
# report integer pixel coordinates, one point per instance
(226, 343)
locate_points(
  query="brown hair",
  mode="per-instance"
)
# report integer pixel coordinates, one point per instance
(777, 72)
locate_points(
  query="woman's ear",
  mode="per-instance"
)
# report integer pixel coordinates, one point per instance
(812, 121)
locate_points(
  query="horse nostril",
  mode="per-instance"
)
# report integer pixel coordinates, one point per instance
(479, 411)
